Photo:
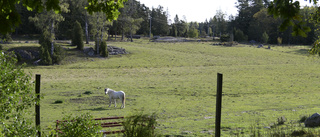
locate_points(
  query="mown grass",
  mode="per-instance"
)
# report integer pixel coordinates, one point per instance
(178, 82)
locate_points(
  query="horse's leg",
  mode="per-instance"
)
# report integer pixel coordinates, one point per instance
(115, 104)
(110, 100)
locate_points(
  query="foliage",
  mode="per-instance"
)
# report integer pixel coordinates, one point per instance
(45, 56)
(225, 38)
(79, 126)
(109, 7)
(58, 55)
(7, 38)
(10, 18)
(280, 8)
(104, 49)
(279, 40)
(265, 37)
(45, 42)
(16, 98)
(140, 125)
(193, 33)
(77, 38)
(159, 22)
(239, 36)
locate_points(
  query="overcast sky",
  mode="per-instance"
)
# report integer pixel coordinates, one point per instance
(196, 10)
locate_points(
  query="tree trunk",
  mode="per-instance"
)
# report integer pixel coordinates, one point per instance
(86, 27)
(122, 35)
(52, 36)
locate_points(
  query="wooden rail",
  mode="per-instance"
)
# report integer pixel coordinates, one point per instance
(104, 125)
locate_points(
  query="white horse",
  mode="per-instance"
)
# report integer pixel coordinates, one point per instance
(115, 95)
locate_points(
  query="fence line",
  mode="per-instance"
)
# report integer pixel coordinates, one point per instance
(104, 125)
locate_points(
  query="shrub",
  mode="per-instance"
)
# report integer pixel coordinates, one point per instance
(279, 40)
(140, 125)
(225, 38)
(77, 38)
(45, 42)
(240, 36)
(16, 98)
(58, 55)
(193, 33)
(45, 56)
(103, 49)
(265, 37)
(79, 126)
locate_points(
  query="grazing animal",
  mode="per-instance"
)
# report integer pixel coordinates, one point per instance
(113, 95)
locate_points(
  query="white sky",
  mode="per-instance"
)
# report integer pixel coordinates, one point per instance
(196, 10)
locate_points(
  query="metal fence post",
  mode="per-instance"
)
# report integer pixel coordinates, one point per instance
(218, 105)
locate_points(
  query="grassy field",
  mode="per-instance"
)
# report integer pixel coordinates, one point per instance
(178, 82)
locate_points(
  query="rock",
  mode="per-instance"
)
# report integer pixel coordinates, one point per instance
(27, 54)
(115, 50)
(260, 46)
(89, 51)
(313, 121)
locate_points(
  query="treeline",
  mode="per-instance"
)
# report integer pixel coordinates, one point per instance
(252, 23)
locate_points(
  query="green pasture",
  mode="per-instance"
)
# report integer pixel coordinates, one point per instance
(178, 82)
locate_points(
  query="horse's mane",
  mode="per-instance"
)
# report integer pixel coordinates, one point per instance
(108, 89)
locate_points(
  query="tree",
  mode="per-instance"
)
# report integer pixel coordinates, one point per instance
(77, 38)
(48, 20)
(99, 27)
(10, 18)
(159, 21)
(16, 98)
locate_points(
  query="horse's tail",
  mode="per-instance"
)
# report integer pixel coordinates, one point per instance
(124, 98)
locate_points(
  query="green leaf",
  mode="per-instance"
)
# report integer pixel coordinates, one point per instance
(29, 8)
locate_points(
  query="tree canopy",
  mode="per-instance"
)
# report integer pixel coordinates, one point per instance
(10, 18)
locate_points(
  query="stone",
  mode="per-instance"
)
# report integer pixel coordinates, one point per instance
(313, 120)
(89, 51)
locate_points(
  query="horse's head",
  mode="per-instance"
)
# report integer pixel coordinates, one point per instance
(106, 90)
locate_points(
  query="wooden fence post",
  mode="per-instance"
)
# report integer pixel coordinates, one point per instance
(218, 105)
(38, 76)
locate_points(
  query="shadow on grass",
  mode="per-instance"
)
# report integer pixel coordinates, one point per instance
(102, 108)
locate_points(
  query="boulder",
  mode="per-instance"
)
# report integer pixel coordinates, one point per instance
(115, 50)
(27, 54)
(89, 51)
(313, 121)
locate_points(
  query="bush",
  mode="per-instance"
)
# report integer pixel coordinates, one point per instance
(45, 56)
(77, 38)
(45, 42)
(193, 33)
(265, 37)
(225, 38)
(104, 49)
(140, 125)
(7, 38)
(240, 36)
(58, 55)
(279, 40)
(80, 126)
(16, 98)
